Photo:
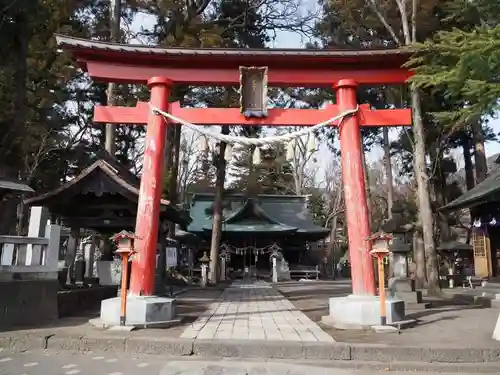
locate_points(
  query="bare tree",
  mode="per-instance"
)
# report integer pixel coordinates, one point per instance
(32, 160)
(274, 16)
(189, 159)
(334, 208)
(303, 168)
(388, 171)
(114, 36)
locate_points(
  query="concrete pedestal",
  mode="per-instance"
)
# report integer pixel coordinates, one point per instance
(360, 312)
(143, 312)
(496, 331)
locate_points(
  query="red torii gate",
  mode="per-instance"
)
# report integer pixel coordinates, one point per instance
(161, 68)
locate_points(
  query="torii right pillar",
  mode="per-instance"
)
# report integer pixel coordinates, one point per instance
(361, 309)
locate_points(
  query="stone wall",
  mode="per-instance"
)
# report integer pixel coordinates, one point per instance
(28, 302)
(77, 301)
(39, 302)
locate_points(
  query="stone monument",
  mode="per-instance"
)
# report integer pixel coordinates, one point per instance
(204, 269)
(399, 284)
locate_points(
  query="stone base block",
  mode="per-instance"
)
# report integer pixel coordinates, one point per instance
(417, 306)
(409, 297)
(362, 312)
(385, 329)
(141, 311)
(496, 331)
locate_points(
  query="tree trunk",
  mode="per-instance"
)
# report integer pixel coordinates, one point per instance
(388, 171)
(367, 183)
(169, 168)
(20, 77)
(438, 183)
(174, 195)
(479, 153)
(423, 193)
(217, 211)
(419, 258)
(469, 167)
(469, 174)
(114, 36)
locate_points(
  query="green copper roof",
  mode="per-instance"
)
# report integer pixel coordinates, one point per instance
(254, 226)
(264, 213)
(485, 192)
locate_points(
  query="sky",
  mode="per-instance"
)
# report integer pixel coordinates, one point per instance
(294, 40)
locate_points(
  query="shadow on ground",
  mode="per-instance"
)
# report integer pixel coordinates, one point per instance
(447, 322)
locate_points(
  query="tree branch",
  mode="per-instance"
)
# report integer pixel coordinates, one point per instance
(390, 29)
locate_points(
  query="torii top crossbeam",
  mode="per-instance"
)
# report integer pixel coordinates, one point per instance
(111, 62)
(163, 67)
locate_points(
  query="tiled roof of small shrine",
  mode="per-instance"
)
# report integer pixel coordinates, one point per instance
(486, 192)
(114, 172)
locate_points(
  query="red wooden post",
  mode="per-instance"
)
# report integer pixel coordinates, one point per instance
(148, 209)
(358, 227)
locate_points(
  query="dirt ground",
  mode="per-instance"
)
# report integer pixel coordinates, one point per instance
(445, 323)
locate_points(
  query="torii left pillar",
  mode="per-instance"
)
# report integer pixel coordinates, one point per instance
(143, 307)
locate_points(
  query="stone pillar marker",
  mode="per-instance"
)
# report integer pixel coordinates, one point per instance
(53, 234)
(275, 270)
(36, 228)
(223, 267)
(204, 269)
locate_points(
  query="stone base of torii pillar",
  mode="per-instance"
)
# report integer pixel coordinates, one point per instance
(142, 312)
(362, 312)
(496, 331)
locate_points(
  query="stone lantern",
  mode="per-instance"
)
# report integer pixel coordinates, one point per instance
(400, 285)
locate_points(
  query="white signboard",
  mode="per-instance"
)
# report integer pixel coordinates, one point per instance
(171, 256)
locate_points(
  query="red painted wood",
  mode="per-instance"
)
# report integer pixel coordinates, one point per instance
(286, 77)
(357, 214)
(230, 116)
(142, 281)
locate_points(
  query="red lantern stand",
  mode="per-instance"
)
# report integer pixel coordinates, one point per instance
(125, 243)
(380, 249)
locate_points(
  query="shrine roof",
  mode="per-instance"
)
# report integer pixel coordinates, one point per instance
(15, 185)
(487, 191)
(104, 176)
(85, 49)
(264, 213)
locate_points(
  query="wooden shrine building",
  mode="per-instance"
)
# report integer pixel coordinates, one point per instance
(483, 201)
(252, 225)
(103, 197)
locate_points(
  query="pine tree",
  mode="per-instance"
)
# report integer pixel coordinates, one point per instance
(465, 64)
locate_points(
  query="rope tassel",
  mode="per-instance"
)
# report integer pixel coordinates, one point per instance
(290, 150)
(228, 153)
(256, 156)
(311, 143)
(203, 144)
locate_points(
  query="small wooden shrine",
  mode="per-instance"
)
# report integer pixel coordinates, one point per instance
(483, 201)
(103, 197)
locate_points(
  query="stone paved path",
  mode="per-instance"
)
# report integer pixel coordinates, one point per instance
(254, 311)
